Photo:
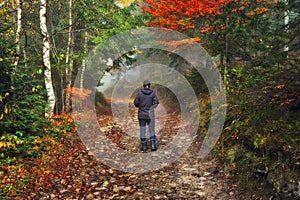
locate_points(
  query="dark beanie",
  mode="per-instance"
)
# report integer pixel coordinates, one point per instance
(146, 82)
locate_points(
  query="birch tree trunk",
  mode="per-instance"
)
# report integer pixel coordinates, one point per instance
(286, 23)
(69, 60)
(18, 31)
(82, 73)
(46, 59)
(83, 66)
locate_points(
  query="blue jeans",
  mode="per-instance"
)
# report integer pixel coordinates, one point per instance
(151, 125)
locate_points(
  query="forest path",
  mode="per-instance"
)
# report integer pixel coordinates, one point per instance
(78, 175)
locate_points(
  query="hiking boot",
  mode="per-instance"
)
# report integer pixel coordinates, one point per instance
(144, 145)
(153, 145)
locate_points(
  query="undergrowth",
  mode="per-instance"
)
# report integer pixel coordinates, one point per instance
(260, 142)
(25, 157)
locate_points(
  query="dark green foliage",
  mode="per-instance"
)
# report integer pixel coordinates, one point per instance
(256, 39)
(197, 82)
(22, 107)
(260, 142)
(100, 100)
(26, 103)
(23, 114)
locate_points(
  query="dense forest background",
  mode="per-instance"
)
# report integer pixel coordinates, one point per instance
(255, 45)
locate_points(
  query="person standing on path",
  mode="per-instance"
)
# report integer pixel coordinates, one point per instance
(146, 100)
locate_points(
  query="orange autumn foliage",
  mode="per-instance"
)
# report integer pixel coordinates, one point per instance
(257, 11)
(182, 15)
(79, 97)
(78, 93)
(179, 42)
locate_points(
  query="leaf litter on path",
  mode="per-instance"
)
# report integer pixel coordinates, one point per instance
(76, 174)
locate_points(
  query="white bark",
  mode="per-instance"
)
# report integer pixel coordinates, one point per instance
(69, 35)
(83, 66)
(286, 23)
(46, 58)
(69, 59)
(82, 73)
(18, 31)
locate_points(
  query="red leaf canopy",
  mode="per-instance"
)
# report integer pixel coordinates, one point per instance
(181, 14)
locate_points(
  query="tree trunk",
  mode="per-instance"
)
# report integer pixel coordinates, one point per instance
(83, 66)
(18, 31)
(69, 60)
(286, 23)
(46, 59)
(25, 53)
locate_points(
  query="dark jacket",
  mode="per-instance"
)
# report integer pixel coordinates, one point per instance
(146, 100)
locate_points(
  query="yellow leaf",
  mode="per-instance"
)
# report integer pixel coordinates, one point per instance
(37, 141)
(6, 144)
(1, 116)
(5, 110)
(123, 3)
(137, 51)
(19, 142)
(2, 144)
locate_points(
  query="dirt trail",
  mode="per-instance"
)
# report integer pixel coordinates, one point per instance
(78, 175)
